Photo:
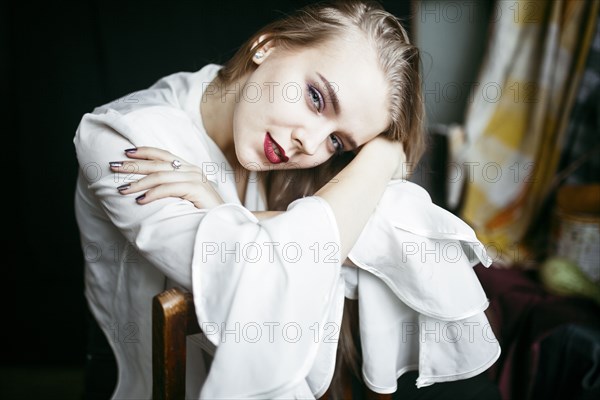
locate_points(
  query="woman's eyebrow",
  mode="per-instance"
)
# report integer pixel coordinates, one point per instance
(331, 94)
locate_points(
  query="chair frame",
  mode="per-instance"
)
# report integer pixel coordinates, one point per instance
(173, 319)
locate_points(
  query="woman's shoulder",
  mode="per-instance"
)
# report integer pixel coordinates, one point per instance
(166, 115)
(180, 90)
(161, 126)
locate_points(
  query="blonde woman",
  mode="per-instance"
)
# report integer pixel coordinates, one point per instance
(272, 187)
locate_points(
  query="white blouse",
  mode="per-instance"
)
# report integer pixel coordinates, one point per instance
(269, 294)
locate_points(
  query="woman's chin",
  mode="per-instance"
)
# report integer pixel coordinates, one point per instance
(251, 164)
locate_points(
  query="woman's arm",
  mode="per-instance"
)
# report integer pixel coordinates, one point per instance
(355, 191)
(352, 194)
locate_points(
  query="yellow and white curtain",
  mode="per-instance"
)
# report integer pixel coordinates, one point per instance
(517, 120)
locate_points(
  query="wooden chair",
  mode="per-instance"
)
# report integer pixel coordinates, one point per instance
(174, 318)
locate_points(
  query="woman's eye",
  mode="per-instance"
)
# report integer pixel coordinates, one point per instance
(337, 144)
(316, 98)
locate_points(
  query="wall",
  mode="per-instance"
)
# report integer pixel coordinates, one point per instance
(452, 37)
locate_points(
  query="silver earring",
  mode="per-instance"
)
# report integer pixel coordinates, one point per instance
(259, 54)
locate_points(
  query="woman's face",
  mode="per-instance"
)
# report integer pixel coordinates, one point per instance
(299, 108)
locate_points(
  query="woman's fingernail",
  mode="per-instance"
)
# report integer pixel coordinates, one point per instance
(115, 164)
(140, 197)
(130, 151)
(124, 187)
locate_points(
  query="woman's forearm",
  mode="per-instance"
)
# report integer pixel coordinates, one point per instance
(266, 214)
(355, 191)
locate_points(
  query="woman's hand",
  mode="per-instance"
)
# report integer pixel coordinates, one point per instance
(167, 176)
(392, 152)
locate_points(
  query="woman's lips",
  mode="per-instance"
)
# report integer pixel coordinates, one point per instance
(273, 151)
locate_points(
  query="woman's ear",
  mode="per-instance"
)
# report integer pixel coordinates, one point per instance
(261, 52)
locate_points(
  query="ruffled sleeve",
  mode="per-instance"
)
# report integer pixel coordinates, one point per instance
(420, 302)
(269, 296)
(264, 291)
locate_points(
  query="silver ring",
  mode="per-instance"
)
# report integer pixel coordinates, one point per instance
(176, 164)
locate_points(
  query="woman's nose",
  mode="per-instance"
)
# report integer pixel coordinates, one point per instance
(308, 142)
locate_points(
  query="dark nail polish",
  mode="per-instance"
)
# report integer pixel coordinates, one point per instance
(124, 187)
(140, 197)
(132, 150)
(115, 164)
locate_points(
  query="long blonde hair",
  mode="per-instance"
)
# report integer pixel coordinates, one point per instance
(398, 59)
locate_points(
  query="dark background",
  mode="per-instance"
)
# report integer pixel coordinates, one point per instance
(57, 62)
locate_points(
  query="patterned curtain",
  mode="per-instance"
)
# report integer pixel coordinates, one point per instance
(517, 122)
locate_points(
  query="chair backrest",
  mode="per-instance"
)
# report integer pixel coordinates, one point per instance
(173, 318)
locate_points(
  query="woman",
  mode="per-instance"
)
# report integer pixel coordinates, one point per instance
(249, 185)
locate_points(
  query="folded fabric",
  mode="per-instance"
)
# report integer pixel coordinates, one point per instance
(420, 303)
(423, 253)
